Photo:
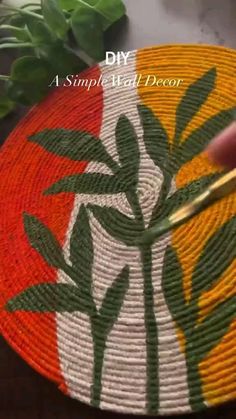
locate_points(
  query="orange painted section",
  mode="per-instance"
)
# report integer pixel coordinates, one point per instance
(188, 64)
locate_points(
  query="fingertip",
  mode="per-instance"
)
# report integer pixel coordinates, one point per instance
(222, 149)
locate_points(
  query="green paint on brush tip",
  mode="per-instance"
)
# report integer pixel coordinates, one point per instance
(151, 235)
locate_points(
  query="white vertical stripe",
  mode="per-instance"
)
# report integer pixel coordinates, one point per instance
(124, 371)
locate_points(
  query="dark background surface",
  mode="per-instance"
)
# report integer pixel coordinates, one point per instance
(24, 394)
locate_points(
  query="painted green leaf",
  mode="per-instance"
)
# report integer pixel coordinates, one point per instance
(88, 183)
(172, 282)
(54, 17)
(195, 96)
(113, 301)
(217, 255)
(49, 298)
(200, 138)
(75, 145)
(42, 240)
(88, 31)
(155, 136)
(183, 195)
(127, 146)
(116, 224)
(81, 251)
(211, 331)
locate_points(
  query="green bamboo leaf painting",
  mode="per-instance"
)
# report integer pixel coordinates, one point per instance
(172, 282)
(102, 324)
(155, 136)
(127, 146)
(81, 251)
(216, 257)
(88, 183)
(200, 137)
(113, 301)
(74, 145)
(183, 195)
(49, 298)
(42, 240)
(116, 224)
(195, 96)
(211, 331)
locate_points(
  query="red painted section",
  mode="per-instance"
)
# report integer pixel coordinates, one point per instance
(26, 170)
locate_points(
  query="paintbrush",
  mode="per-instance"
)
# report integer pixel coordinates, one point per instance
(224, 186)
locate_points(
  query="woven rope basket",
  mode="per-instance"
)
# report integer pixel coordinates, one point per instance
(119, 325)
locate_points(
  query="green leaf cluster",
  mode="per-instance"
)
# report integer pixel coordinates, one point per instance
(201, 337)
(78, 296)
(58, 37)
(169, 155)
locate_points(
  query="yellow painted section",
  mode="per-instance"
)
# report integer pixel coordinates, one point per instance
(188, 63)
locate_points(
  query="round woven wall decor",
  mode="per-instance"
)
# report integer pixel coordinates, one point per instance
(145, 329)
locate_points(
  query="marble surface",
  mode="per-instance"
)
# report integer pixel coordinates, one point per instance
(154, 22)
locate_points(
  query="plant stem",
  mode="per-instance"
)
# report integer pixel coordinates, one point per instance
(17, 45)
(21, 11)
(194, 380)
(152, 386)
(165, 189)
(98, 356)
(11, 27)
(9, 39)
(4, 78)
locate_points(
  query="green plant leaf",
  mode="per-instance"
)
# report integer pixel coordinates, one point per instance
(217, 255)
(6, 106)
(155, 136)
(42, 240)
(113, 302)
(49, 298)
(87, 29)
(62, 60)
(183, 195)
(40, 31)
(69, 4)
(110, 11)
(201, 137)
(127, 146)
(24, 93)
(54, 17)
(195, 96)
(116, 224)
(172, 282)
(88, 183)
(75, 145)
(211, 331)
(30, 69)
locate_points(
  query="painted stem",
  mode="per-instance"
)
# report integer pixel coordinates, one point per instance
(196, 397)
(152, 385)
(98, 357)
